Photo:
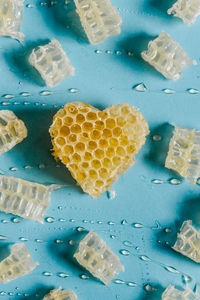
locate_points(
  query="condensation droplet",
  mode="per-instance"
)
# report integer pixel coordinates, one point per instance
(58, 241)
(124, 252)
(137, 225)
(47, 274)
(62, 220)
(37, 103)
(156, 138)
(72, 242)
(111, 194)
(118, 52)
(186, 279)
(23, 239)
(26, 103)
(175, 181)
(16, 103)
(50, 220)
(193, 91)
(128, 244)
(30, 5)
(157, 181)
(3, 293)
(41, 166)
(144, 258)
(167, 230)
(15, 220)
(112, 236)
(99, 222)
(38, 241)
(171, 269)
(84, 276)
(149, 288)
(28, 167)
(5, 103)
(131, 284)
(80, 229)
(4, 221)
(109, 52)
(25, 94)
(98, 51)
(46, 93)
(63, 275)
(3, 237)
(72, 220)
(130, 53)
(111, 223)
(169, 91)
(141, 87)
(14, 169)
(85, 221)
(8, 96)
(124, 222)
(119, 281)
(73, 90)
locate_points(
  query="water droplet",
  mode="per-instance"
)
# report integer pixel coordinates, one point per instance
(16, 103)
(8, 96)
(124, 222)
(84, 276)
(157, 181)
(137, 225)
(63, 275)
(85, 221)
(60, 207)
(149, 288)
(118, 281)
(118, 52)
(30, 5)
(99, 222)
(112, 236)
(131, 284)
(141, 87)
(73, 90)
(124, 252)
(128, 243)
(5, 103)
(111, 223)
(130, 53)
(15, 220)
(38, 241)
(3, 237)
(186, 279)
(28, 167)
(10, 293)
(72, 220)
(192, 91)
(144, 258)
(50, 220)
(41, 166)
(157, 225)
(37, 103)
(156, 138)
(47, 273)
(171, 269)
(72, 242)
(3, 293)
(25, 94)
(13, 169)
(58, 241)
(23, 239)
(111, 194)
(46, 93)
(98, 51)
(62, 220)
(167, 230)
(169, 91)
(4, 221)
(109, 52)
(80, 229)
(26, 103)
(175, 181)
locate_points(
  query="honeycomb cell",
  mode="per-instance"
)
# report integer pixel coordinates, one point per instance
(59, 294)
(12, 130)
(64, 131)
(101, 145)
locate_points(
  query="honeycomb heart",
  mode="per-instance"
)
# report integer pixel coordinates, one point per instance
(97, 146)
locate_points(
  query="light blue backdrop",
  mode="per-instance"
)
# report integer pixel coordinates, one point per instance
(105, 74)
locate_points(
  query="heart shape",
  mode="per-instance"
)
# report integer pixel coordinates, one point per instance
(97, 146)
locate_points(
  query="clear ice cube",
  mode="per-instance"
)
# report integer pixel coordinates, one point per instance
(51, 62)
(171, 293)
(59, 294)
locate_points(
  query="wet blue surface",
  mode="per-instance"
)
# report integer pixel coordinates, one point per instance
(102, 78)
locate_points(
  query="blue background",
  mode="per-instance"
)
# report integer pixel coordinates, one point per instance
(105, 74)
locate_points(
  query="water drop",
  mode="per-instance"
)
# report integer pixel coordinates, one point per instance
(41, 166)
(50, 220)
(46, 93)
(30, 5)
(16, 220)
(128, 244)
(118, 52)
(47, 274)
(58, 241)
(72, 242)
(38, 241)
(186, 279)
(62, 220)
(157, 181)
(169, 91)
(98, 51)
(158, 226)
(156, 138)
(167, 230)
(13, 169)
(16, 103)
(109, 52)
(99, 222)
(27, 167)
(111, 223)
(137, 225)
(5, 103)
(37, 103)
(63, 275)
(3, 293)
(80, 229)
(3, 237)
(112, 236)
(130, 53)
(23, 239)
(84, 276)
(8, 96)
(141, 87)
(171, 269)
(124, 222)
(4, 221)
(26, 103)
(118, 281)
(149, 288)
(193, 91)
(72, 220)
(175, 181)
(85, 221)
(144, 258)
(111, 194)
(131, 284)
(73, 90)
(25, 94)
(124, 252)
(10, 293)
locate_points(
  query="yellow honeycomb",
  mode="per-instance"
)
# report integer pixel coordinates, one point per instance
(97, 146)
